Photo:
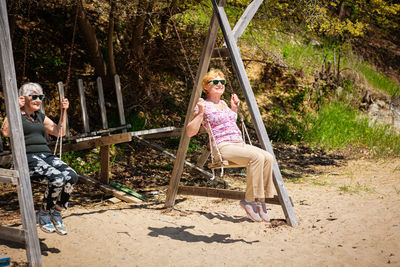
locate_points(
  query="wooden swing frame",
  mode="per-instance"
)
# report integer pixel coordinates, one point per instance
(219, 18)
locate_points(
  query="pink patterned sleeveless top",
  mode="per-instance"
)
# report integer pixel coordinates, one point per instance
(222, 122)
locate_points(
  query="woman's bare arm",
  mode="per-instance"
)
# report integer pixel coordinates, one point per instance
(194, 125)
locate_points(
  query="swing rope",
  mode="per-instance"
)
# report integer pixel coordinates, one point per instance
(181, 44)
(63, 112)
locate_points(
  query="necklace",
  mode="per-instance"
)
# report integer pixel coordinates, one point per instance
(29, 118)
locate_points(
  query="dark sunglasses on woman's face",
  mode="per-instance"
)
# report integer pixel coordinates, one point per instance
(35, 97)
(215, 82)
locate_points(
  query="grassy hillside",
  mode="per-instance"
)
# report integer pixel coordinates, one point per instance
(304, 83)
(309, 88)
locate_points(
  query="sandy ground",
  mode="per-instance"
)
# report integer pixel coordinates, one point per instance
(348, 216)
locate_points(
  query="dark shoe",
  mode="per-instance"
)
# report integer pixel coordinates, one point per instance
(251, 210)
(262, 211)
(44, 221)
(58, 223)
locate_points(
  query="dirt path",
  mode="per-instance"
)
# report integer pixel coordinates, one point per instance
(348, 215)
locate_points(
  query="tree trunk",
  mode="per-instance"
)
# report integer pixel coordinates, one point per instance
(139, 27)
(91, 41)
(110, 46)
(341, 10)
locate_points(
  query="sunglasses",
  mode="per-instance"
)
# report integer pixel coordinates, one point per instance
(35, 97)
(215, 82)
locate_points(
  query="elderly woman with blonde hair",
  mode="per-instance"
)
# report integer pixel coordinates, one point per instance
(216, 116)
(42, 163)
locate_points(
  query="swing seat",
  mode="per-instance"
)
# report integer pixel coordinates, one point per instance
(225, 164)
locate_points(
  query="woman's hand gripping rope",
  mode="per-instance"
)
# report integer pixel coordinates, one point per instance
(61, 129)
(235, 102)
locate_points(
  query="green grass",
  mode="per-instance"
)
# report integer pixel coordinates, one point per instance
(357, 188)
(87, 162)
(319, 183)
(379, 81)
(338, 127)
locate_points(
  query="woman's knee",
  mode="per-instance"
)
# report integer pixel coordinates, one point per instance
(268, 158)
(256, 158)
(64, 177)
(73, 176)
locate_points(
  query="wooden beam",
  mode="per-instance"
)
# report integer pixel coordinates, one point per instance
(24, 190)
(61, 94)
(102, 103)
(162, 132)
(196, 93)
(153, 132)
(245, 19)
(120, 102)
(203, 157)
(219, 193)
(9, 173)
(165, 152)
(9, 176)
(96, 134)
(222, 52)
(12, 234)
(5, 158)
(254, 111)
(101, 141)
(82, 97)
(108, 189)
(105, 164)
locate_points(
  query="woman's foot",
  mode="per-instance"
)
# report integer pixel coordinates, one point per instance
(44, 221)
(262, 211)
(56, 218)
(251, 210)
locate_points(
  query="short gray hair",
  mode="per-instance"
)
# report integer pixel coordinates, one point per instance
(29, 88)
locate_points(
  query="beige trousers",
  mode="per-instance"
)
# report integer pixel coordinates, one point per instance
(259, 163)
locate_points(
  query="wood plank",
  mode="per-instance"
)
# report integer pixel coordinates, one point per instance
(120, 102)
(5, 158)
(226, 164)
(158, 132)
(196, 93)
(96, 134)
(105, 164)
(7, 179)
(9, 173)
(102, 103)
(162, 132)
(85, 116)
(12, 234)
(10, 90)
(254, 111)
(61, 93)
(222, 52)
(203, 157)
(108, 189)
(1, 144)
(9, 176)
(165, 152)
(219, 193)
(101, 141)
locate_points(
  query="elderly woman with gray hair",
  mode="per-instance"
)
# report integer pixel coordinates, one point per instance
(42, 163)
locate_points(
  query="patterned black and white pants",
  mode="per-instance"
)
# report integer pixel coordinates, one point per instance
(59, 176)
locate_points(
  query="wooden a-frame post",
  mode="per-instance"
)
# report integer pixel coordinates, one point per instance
(230, 39)
(29, 233)
(196, 93)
